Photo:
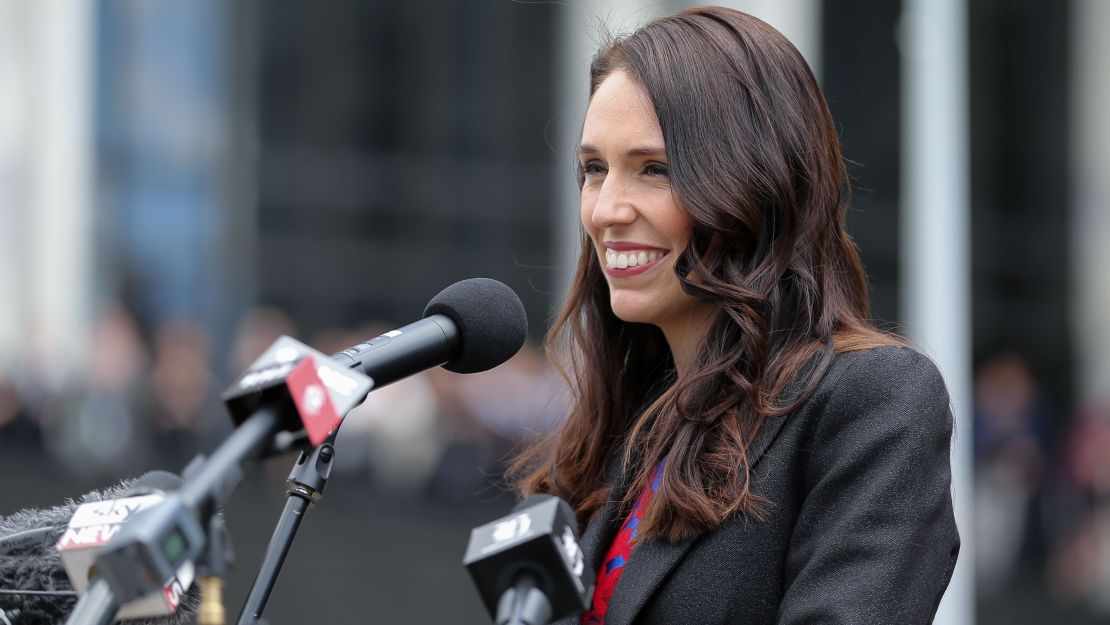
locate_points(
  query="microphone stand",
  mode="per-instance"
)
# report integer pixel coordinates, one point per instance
(212, 568)
(306, 486)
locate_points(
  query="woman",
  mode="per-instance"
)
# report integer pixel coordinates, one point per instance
(744, 446)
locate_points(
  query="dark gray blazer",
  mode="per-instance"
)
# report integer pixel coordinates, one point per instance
(861, 530)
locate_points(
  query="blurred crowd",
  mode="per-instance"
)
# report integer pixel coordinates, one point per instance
(1042, 489)
(151, 399)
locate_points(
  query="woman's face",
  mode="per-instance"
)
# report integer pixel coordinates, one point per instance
(629, 210)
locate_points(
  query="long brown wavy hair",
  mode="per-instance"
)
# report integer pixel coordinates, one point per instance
(754, 160)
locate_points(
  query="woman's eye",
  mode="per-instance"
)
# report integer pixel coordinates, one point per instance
(593, 168)
(656, 169)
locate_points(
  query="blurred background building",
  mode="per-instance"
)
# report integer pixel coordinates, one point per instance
(181, 182)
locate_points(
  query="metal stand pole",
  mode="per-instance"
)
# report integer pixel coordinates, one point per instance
(306, 486)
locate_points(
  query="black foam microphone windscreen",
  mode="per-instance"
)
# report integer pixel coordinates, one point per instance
(490, 318)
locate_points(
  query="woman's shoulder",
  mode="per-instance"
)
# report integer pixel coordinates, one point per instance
(891, 382)
(888, 364)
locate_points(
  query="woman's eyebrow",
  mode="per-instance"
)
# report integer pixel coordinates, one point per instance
(646, 150)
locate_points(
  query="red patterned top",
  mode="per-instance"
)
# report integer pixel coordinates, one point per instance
(619, 552)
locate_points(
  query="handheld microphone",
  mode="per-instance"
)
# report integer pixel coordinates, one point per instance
(95, 524)
(34, 587)
(528, 566)
(470, 326)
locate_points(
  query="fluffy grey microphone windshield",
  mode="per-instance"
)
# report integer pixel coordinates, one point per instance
(36, 565)
(491, 322)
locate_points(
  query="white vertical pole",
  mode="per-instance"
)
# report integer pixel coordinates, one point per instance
(60, 240)
(935, 276)
(1090, 140)
(582, 27)
(15, 144)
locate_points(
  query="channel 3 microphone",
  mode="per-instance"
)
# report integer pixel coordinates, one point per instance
(41, 552)
(528, 566)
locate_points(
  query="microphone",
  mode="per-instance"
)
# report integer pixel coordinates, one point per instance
(528, 566)
(34, 587)
(95, 524)
(471, 326)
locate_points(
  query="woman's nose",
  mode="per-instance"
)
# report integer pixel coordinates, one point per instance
(614, 205)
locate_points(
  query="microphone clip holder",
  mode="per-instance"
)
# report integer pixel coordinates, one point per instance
(311, 471)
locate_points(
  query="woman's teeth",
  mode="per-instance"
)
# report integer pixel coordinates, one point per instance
(624, 260)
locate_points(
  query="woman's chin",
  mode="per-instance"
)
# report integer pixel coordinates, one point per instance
(633, 310)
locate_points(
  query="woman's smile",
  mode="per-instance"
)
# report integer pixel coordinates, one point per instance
(623, 259)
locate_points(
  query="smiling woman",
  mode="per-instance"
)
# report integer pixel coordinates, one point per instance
(630, 212)
(744, 443)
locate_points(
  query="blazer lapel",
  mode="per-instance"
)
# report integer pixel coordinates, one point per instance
(649, 565)
(652, 561)
(765, 436)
